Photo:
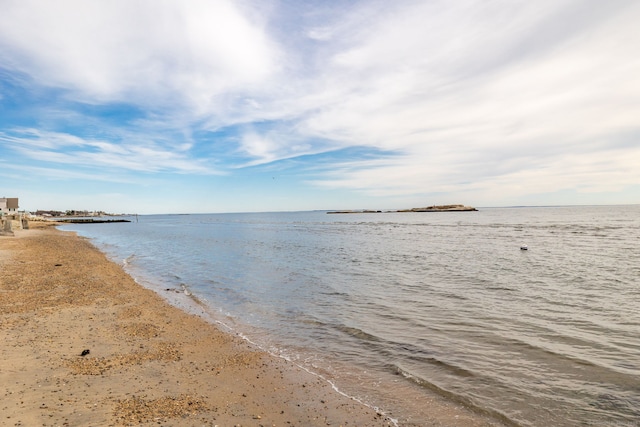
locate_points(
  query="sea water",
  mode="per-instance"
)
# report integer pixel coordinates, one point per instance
(394, 306)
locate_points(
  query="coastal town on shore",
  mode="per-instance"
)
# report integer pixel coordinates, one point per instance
(12, 218)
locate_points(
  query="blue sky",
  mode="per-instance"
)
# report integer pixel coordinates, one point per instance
(151, 106)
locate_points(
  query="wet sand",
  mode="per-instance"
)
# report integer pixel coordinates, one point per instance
(148, 363)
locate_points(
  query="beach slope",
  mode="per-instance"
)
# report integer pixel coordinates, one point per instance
(145, 362)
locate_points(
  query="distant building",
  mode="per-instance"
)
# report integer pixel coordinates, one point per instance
(8, 205)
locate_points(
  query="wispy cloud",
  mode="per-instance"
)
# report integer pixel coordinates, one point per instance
(458, 96)
(38, 173)
(454, 97)
(145, 52)
(141, 156)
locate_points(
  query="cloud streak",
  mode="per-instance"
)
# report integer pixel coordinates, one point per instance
(66, 149)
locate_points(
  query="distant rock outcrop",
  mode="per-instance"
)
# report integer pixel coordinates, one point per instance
(442, 208)
(435, 208)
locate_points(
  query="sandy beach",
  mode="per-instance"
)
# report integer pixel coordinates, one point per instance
(146, 362)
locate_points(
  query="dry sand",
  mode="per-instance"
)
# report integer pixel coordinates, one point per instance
(149, 363)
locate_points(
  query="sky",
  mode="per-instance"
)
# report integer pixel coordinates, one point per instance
(173, 106)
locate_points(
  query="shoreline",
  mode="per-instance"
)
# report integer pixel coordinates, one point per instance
(149, 362)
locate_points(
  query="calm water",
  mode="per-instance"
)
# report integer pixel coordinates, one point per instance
(395, 304)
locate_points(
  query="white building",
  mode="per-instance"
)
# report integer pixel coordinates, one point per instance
(8, 205)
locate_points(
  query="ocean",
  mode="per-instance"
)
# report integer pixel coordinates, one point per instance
(394, 308)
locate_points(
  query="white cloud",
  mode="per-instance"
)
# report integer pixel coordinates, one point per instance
(141, 156)
(138, 51)
(258, 146)
(465, 105)
(26, 173)
(491, 97)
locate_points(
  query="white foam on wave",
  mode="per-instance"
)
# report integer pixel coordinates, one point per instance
(333, 385)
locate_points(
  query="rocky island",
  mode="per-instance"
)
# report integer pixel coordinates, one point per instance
(442, 208)
(434, 208)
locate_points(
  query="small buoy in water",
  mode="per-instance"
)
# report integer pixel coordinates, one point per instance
(524, 248)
